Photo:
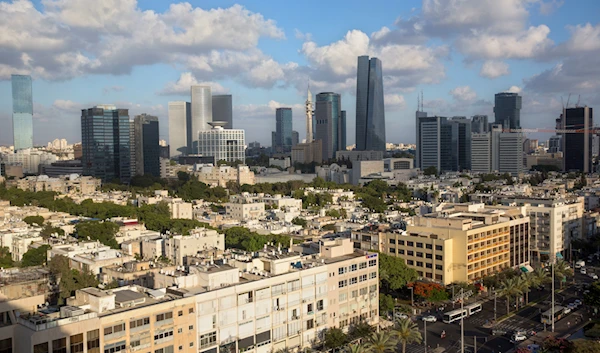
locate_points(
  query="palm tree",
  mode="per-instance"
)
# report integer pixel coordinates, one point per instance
(356, 348)
(407, 332)
(562, 269)
(539, 277)
(509, 288)
(523, 285)
(381, 342)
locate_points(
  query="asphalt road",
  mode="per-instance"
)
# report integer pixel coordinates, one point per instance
(527, 319)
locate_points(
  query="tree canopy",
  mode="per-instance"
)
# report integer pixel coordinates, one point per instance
(244, 239)
(69, 279)
(103, 232)
(5, 257)
(35, 256)
(396, 273)
(31, 220)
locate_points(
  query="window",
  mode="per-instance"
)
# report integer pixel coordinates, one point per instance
(438, 257)
(354, 294)
(419, 245)
(419, 254)
(179, 330)
(428, 256)
(343, 297)
(372, 275)
(438, 267)
(165, 334)
(362, 278)
(410, 243)
(76, 343)
(115, 347)
(362, 265)
(309, 308)
(190, 310)
(59, 345)
(372, 263)
(363, 291)
(342, 284)
(428, 246)
(438, 247)
(139, 323)
(168, 349)
(353, 267)
(410, 262)
(392, 241)
(428, 265)
(419, 263)
(410, 253)
(401, 251)
(208, 339)
(164, 316)
(401, 242)
(180, 313)
(110, 330)
(310, 324)
(392, 250)
(342, 270)
(373, 288)
(93, 341)
(38, 348)
(191, 327)
(320, 305)
(353, 280)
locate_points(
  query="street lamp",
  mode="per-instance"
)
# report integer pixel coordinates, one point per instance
(425, 335)
(553, 263)
(462, 326)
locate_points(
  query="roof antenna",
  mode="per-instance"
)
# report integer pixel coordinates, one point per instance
(422, 101)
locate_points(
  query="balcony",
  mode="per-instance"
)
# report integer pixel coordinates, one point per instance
(41, 323)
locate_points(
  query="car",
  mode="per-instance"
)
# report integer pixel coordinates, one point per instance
(402, 316)
(429, 318)
(572, 306)
(578, 302)
(498, 332)
(518, 337)
(593, 275)
(567, 310)
(583, 271)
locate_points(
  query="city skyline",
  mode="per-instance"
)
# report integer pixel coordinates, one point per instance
(544, 53)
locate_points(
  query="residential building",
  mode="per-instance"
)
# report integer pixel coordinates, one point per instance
(328, 123)
(66, 185)
(244, 211)
(224, 144)
(507, 110)
(577, 146)
(22, 101)
(201, 113)
(147, 148)
(307, 153)
(21, 244)
(179, 209)
(199, 240)
(545, 159)
(222, 109)
(106, 144)
(283, 140)
(370, 113)
(219, 176)
(31, 160)
(180, 130)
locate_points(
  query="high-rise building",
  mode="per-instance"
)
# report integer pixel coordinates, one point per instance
(428, 140)
(510, 152)
(442, 143)
(507, 110)
(418, 115)
(222, 109)
(464, 142)
(343, 142)
(481, 153)
(479, 124)
(224, 144)
(309, 110)
(180, 130)
(577, 146)
(328, 114)
(370, 113)
(201, 113)
(132, 147)
(106, 144)
(497, 151)
(282, 136)
(22, 95)
(555, 144)
(147, 147)
(295, 138)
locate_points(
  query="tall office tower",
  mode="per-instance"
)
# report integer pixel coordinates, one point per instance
(418, 115)
(481, 153)
(201, 113)
(507, 110)
(282, 136)
(448, 146)
(464, 142)
(479, 124)
(105, 142)
(370, 113)
(595, 145)
(22, 111)
(224, 144)
(555, 144)
(180, 130)
(295, 138)
(147, 146)
(510, 152)
(132, 147)
(222, 109)
(343, 142)
(428, 140)
(577, 147)
(309, 116)
(328, 114)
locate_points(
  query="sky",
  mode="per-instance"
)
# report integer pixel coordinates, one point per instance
(140, 55)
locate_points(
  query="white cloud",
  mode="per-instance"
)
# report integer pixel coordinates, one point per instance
(67, 105)
(185, 81)
(584, 38)
(463, 94)
(494, 69)
(338, 57)
(394, 102)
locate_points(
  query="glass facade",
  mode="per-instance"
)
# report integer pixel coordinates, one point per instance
(328, 117)
(343, 142)
(577, 147)
(22, 111)
(507, 110)
(147, 148)
(370, 112)
(180, 128)
(283, 130)
(222, 109)
(106, 143)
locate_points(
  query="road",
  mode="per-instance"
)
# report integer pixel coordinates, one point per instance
(527, 319)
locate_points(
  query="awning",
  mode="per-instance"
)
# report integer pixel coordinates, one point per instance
(559, 256)
(528, 268)
(524, 269)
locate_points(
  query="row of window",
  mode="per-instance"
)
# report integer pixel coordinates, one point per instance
(420, 264)
(417, 254)
(355, 280)
(418, 244)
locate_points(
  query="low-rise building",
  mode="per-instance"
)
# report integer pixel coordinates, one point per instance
(178, 247)
(219, 176)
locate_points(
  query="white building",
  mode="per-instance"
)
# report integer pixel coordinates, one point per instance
(179, 246)
(30, 159)
(21, 244)
(245, 211)
(201, 112)
(224, 144)
(179, 137)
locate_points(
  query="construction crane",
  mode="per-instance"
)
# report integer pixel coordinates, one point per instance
(578, 99)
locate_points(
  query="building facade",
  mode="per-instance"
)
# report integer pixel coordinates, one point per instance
(507, 110)
(328, 115)
(283, 134)
(577, 146)
(201, 113)
(106, 144)
(224, 144)
(147, 148)
(370, 112)
(222, 109)
(180, 130)
(22, 100)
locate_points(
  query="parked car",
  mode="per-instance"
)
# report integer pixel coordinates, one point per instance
(583, 271)
(518, 337)
(429, 318)
(572, 306)
(567, 310)
(402, 316)
(578, 302)
(593, 275)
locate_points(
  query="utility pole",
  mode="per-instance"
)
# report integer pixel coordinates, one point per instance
(462, 324)
(553, 263)
(495, 297)
(474, 344)
(425, 334)
(453, 296)
(412, 301)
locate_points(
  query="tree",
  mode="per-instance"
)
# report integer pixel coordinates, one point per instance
(562, 270)
(360, 330)
(334, 338)
(69, 280)
(103, 232)
(592, 298)
(509, 288)
(382, 342)
(552, 344)
(333, 213)
(386, 304)
(585, 346)
(31, 220)
(5, 257)
(429, 291)
(430, 171)
(356, 348)
(35, 256)
(407, 332)
(48, 230)
(397, 274)
(299, 222)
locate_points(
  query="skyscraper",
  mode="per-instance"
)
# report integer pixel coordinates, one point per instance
(295, 138)
(283, 130)
(442, 143)
(343, 142)
(201, 113)
(223, 144)
(507, 110)
(370, 113)
(147, 147)
(180, 130)
(309, 117)
(419, 114)
(105, 142)
(479, 124)
(22, 111)
(222, 109)
(577, 147)
(464, 142)
(328, 115)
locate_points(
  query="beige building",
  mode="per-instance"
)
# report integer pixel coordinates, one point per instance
(68, 184)
(178, 247)
(306, 153)
(179, 209)
(219, 176)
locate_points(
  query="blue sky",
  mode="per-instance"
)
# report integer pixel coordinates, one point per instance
(140, 55)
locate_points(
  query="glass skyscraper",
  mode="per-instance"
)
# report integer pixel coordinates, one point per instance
(22, 111)
(147, 148)
(283, 130)
(370, 113)
(507, 110)
(329, 123)
(106, 143)
(222, 109)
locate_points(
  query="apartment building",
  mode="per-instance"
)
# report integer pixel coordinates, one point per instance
(247, 303)
(68, 184)
(462, 243)
(554, 223)
(178, 247)
(244, 208)
(219, 176)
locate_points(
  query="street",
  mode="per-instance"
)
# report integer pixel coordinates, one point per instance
(528, 319)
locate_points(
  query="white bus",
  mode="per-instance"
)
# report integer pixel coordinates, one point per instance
(473, 308)
(558, 314)
(454, 315)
